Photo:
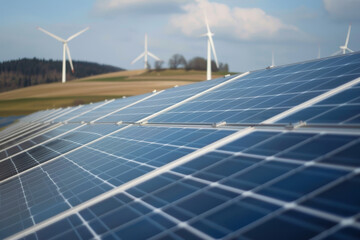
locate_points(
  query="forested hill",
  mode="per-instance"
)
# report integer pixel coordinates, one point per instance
(27, 72)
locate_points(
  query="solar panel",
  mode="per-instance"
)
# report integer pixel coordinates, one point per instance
(267, 154)
(266, 93)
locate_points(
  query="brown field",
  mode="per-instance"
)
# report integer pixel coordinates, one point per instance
(92, 89)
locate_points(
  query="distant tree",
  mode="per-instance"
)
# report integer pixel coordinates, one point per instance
(197, 63)
(177, 60)
(223, 67)
(28, 72)
(214, 68)
(148, 66)
(158, 65)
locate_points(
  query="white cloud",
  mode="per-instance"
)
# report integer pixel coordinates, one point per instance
(347, 10)
(113, 7)
(239, 23)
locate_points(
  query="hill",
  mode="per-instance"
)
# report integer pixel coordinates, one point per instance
(95, 88)
(29, 72)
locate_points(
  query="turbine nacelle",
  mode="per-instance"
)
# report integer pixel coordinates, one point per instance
(344, 49)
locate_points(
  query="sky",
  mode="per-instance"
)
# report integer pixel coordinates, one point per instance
(246, 31)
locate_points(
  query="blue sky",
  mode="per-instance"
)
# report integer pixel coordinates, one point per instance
(246, 31)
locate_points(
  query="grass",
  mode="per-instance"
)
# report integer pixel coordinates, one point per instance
(111, 79)
(24, 106)
(94, 89)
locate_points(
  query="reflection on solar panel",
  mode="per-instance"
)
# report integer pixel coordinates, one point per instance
(268, 154)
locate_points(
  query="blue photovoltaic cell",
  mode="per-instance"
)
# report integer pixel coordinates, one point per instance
(266, 93)
(46, 151)
(92, 170)
(161, 101)
(78, 111)
(342, 108)
(38, 139)
(108, 108)
(21, 136)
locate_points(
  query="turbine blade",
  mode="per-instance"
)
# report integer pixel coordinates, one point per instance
(137, 59)
(70, 61)
(213, 50)
(348, 36)
(77, 34)
(207, 23)
(154, 57)
(51, 35)
(349, 50)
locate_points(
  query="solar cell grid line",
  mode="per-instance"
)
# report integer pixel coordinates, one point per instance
(130, 183)
(94, 108)
(314, 100)
(341, 108)
(26, 203)
(7, 131)
(61, 113)
(57, 112)
(23, 141)
(233, 78)
(113, 107)
(165, 99)
(210, 184)
(57, 147)
(39, 114)
(69, 157)
(254, 105)
(25, 135)
(51, 129)
(79, 111)
(18, 130)
(355, 172)
(6, 174)
(54, 133)
(57, 156)
(45, 173)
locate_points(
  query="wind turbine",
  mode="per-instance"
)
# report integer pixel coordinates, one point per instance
(145, 54)
(345, 48)
(210, 47)
(65, 49)
(272, 60)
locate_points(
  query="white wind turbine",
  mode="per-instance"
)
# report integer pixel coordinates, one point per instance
(145, 54)
(345, 48)
(210, 47)
(65, 49)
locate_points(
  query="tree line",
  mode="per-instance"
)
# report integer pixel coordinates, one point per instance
(28, 72)
(196, 63)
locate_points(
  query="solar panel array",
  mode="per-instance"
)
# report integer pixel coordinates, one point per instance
(272, 153)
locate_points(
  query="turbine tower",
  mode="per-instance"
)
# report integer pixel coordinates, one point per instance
(145, 54)
(272, 60)
(345, 48)
(210, 47)
(65, 49)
